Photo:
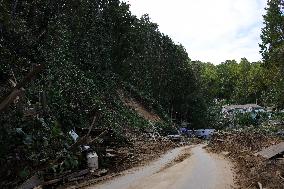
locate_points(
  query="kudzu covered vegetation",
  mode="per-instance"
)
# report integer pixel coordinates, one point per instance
(63, 62)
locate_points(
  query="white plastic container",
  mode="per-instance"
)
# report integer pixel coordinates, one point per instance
(93, 161)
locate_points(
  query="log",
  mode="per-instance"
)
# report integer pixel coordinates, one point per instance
(70, 177)
(32, 182)
(18, 89)
(53, 181)
(92, 125)
(77, 174)
(75, 179)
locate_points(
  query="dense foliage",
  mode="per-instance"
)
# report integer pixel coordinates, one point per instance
(272, 49)
(236, 83)
(90, 50)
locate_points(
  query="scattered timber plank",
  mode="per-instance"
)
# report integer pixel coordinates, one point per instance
(99, 173)
(76, 179)
(272, 151)
(70, 177)
(78, 174)
(94, 181)
(50, 182)
(32, 182)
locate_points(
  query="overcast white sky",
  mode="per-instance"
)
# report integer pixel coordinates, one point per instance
(210, 30)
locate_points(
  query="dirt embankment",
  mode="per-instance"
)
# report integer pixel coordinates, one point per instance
(252, 171)
(138, 107)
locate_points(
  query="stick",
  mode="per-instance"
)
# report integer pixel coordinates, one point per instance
(259, 185)
(85, 139)
(92, 125)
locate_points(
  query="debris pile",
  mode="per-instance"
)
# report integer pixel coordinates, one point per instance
(141, 152)
(104, 154)
(253, 171)
(137, 152)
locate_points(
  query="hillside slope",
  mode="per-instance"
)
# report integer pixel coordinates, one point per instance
(61, 65)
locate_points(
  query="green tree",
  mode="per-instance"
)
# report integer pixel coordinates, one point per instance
(228, 76)
(90, 50)
(272, 49)
(272, 46)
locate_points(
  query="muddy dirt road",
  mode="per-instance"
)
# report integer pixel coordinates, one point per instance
(200, 171)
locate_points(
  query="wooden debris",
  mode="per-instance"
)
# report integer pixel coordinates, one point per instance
(259, 185)
(10, 98)
(53, 181)
(18, 89)
(278, 173)
(100, 173)
(70, 177)
(78, 174)
(220, 140)
(272, 151)
(109, 155)
(110, 151)
(32, 182)
(242, 146)
(38, 187)
(75, 179)
(225, 153)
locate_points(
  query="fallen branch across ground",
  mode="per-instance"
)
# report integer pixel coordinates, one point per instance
(18, 90)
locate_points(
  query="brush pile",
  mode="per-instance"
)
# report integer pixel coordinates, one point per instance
(252, 171)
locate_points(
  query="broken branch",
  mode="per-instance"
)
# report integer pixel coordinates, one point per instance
(92, 125)
(18, 89)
